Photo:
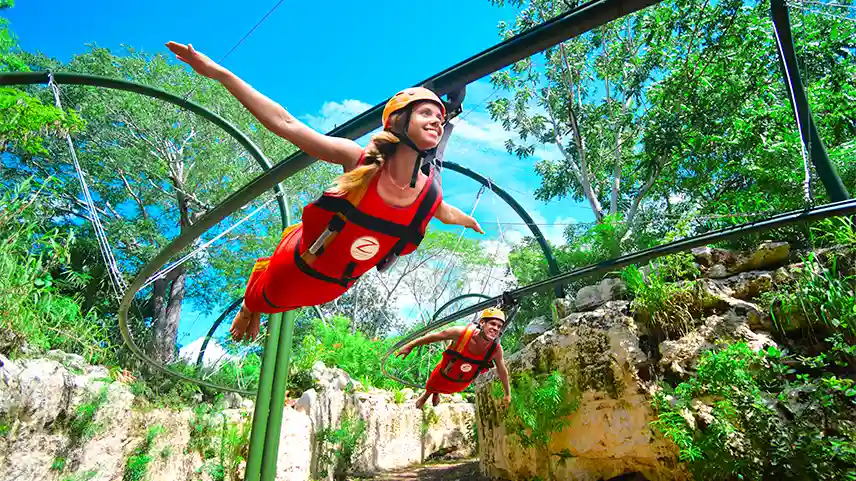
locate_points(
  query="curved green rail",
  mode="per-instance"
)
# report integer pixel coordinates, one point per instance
(552, 266)
(456, 299)
(835, 209)
(32, 78)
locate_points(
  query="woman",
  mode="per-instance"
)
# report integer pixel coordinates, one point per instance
(371, 216)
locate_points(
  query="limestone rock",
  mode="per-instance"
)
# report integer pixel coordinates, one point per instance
(767, 255)
(395, 435)
(564, 307)
(606, 290)
(681, 356)
(535, 328)
(332, 378)
(609, 434)
(295, 447)
(39, 398)
(717, 295)
(721, 263)
(717, 271)
(74, 362)
(703, 256)
(232, 400)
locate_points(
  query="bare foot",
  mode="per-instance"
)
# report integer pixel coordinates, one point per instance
(421, 401)
(435, 399)
(255, 325)
(242, 323)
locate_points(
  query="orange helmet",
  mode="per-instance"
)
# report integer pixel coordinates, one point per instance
(493, 313)
(408, 96)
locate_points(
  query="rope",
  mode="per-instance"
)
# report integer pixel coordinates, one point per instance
(116, 280)
(247, 35)
(163, 272)
(806, 168)
(499, 243)
(451, 257)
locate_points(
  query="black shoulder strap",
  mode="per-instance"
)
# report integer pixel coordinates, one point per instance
(422, 213)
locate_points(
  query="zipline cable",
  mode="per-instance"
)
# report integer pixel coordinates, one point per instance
(116, 280)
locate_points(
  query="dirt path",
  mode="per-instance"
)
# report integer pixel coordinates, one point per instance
(463, 470)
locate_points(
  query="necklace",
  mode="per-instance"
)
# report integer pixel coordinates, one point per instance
(389, 176)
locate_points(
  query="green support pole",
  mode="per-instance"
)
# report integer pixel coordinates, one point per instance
(260, 414)
(808, 130)
(277, 399)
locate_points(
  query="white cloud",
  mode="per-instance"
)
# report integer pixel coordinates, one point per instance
(556, 233)
(333, 114)
(480, 129)
(214, 354)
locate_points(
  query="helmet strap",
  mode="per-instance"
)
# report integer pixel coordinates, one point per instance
(404, 137)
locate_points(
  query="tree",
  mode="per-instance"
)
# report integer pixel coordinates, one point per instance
(585, 87)
(679, 109)
(25, 119)
(156, 170)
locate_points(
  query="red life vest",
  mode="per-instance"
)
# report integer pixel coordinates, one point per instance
(342, 237)
(459, 367)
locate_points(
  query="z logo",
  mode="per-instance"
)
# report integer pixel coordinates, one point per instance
(364, 248)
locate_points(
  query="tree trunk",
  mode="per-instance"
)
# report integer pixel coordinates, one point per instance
(165, 325)
(167, 316)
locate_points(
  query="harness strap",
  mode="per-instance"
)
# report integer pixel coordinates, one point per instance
(422, 213)
(307, 269)
(340, 205)
(456, 353)
(464, 339)
(336, 224)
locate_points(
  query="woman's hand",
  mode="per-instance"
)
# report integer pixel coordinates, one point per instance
(473, 224)
(197, 60)
(449, 214)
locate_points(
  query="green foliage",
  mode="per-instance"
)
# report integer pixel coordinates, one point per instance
(24, 119)
(83, 425)
(157, 390)
(747, 415)
(221, 445)
(335, 345)
(398, 396)
(664, 305)
(539, 407)
(429, 418)
(35, 309)
(137, 465)
(835, 231)
(58, 463)
(340, 447)
(820, 297)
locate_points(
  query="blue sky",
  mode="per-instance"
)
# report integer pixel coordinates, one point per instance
(325, 62)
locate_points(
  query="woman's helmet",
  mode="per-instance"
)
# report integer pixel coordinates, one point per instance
(401, 101)
(408, 96)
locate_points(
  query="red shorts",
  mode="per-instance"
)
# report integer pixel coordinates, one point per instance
(278, 285)
(439, 384)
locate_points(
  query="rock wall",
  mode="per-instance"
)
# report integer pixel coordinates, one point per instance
(397, 435)
(43, 437)
(613, 361)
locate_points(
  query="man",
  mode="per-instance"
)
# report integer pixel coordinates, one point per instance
(471, 351)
